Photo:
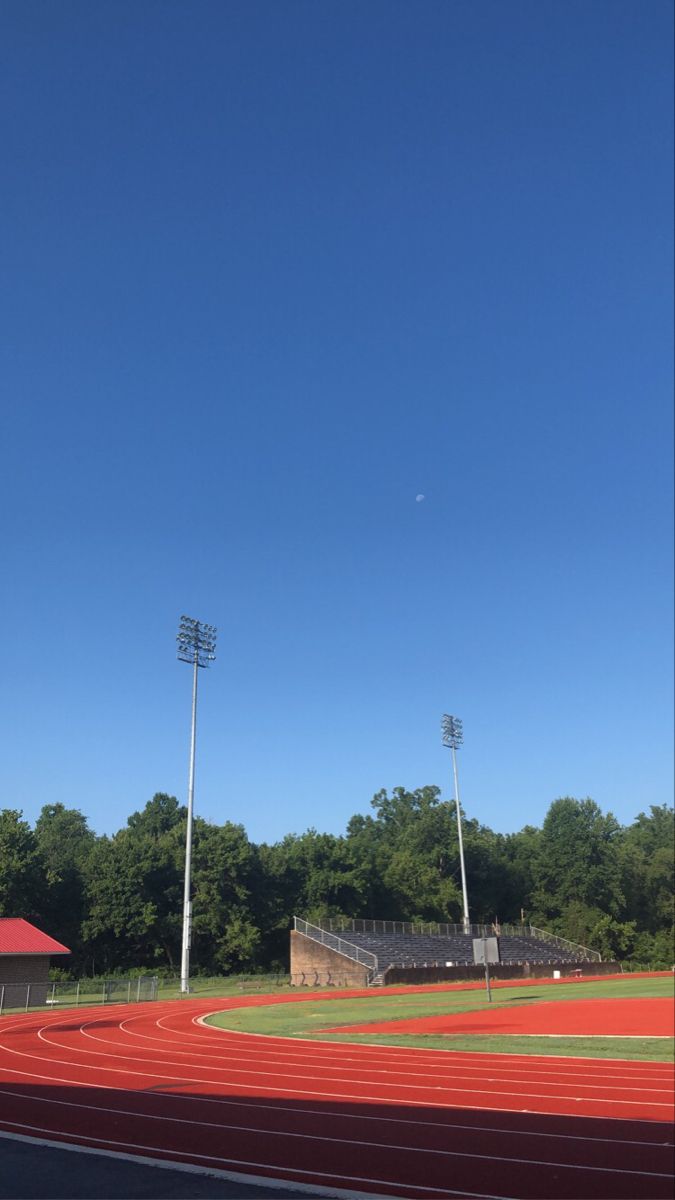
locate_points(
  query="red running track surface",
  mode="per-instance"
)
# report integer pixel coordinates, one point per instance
(647, 1017)
(152, 1080)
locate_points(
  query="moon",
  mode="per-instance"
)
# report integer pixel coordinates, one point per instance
(419, 497)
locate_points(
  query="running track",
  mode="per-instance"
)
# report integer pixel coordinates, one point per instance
(152, 1080)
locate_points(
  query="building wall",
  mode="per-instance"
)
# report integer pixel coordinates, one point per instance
(314, 965)
(18, 970)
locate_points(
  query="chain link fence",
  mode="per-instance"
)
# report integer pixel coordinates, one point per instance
(23, 997)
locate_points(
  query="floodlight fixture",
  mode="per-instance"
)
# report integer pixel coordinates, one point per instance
(452, 732)
(196, 644)
(452, 736)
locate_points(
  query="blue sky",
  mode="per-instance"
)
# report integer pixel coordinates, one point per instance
(272, 270)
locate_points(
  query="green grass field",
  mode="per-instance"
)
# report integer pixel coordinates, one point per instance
(309, 1018)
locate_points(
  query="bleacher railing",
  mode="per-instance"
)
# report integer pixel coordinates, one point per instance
(428, 929)
(340, 945)
(563, 944)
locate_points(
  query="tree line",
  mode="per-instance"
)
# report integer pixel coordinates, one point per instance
(116, 901)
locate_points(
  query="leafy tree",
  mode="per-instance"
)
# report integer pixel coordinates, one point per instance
(160, 815)
(134, 890)
(581, 875)
(226, 936)
(648, 868)
(22, 880)
(522, 851)
(413, 851)
(64, 842)
(314, 875)
(578, 861)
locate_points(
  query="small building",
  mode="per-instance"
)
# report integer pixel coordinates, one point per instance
(25, 954)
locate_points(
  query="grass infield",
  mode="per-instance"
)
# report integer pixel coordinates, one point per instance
(310, 1019)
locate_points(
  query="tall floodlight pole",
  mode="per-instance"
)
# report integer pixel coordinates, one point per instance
(196, 644)
(453, 737)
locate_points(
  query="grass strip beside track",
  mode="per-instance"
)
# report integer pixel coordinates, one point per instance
(309, 1020)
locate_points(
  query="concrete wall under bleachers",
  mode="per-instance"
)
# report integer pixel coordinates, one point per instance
(314, 965)
(414, 975)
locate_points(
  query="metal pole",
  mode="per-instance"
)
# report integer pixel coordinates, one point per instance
(487, 980)
(187, 902)
(465, 898)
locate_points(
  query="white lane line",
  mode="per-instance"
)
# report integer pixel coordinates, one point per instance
(290, 1171)
(456, 1054)
(236, 1070)
(171, 1009)
(214, 1060)
(264, 1181)
(445, 1126)
(514, 1075)
(295, 1093)
(489, 1158)
(643, 1037)
(304, 1056)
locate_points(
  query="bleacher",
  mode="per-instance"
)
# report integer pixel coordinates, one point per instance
(409, 950)
(397, 944)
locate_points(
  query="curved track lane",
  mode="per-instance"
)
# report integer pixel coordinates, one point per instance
(153, 1080)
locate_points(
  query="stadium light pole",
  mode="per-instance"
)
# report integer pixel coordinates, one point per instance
(196, 644)
(453, 737)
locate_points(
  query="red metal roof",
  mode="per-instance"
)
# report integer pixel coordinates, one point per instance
(20, 937)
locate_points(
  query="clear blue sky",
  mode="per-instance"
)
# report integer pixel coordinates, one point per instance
(270, 272)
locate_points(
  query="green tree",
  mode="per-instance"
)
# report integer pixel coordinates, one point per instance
(134, 890)
(412, 850)
(65, 842)
(22, 880)
(648, 869)
(226, 933)
(161, 815)
(578, 860)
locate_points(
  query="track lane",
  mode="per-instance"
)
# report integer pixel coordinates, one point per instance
(145, 1072)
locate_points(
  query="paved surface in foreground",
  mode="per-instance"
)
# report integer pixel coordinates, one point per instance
(33, 1172)
(152, 1080)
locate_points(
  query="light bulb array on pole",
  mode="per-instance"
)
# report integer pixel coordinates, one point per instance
(453, 737)
(196, 644)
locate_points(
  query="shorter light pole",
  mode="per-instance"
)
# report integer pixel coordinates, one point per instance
(196, 644)
(453, 737)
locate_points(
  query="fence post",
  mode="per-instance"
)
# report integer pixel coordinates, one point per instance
(2, 998)
(104, 991)
(27, 996)
(77, 995)
(129, 993)
(53, 991)
(138, 989)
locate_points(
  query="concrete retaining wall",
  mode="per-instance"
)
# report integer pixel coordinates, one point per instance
(498, 971)
(314, 965)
